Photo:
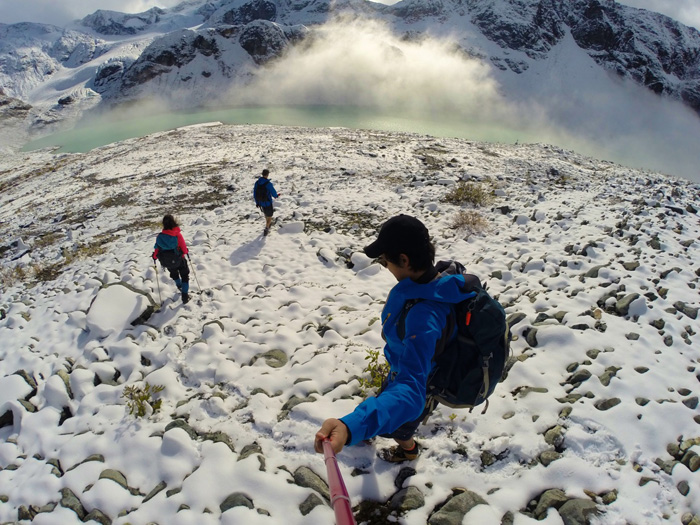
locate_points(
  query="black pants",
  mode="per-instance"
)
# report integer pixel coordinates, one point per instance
(180, 273)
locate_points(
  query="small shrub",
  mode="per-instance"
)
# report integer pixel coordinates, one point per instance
(470, 221)
(140, 398)
(377, 368)
(469, 193)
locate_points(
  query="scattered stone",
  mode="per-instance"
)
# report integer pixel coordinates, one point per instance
(609, 373)
(531, 337)
(158, 488)
(691, 402)
(219, 437)
(98, 516)
(578, 511)
(630, 266)
(579, 377)
(115, 476)
(310, 504)
(686, 310)
(274, 358)
(623, 305)
(307, 478)
(550, 498)
(181, 423)
(407, 499)
(607, 404)
(454, 510)
(554, 436)
(249, 450)
(70, 501)
(404, 474)
(683, 487)
(237, 499)
(549, 456)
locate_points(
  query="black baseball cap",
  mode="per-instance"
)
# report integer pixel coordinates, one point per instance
(400, 234)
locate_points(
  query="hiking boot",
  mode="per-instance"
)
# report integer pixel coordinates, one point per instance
(185, 298)
(398, 454)
(266, 231)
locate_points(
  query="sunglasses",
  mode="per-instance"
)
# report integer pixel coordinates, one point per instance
(381, 260)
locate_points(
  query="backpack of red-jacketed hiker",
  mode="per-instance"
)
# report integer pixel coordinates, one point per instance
(468, 368)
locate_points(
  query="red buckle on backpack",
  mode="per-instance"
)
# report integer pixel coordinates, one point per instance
(468, 318)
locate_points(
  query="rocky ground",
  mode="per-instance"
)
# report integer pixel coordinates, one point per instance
(595, 263)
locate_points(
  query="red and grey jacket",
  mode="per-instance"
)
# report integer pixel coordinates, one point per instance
(170, 240)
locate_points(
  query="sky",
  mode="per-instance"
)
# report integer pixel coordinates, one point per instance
(50, 11)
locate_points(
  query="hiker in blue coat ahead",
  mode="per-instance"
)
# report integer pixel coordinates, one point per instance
(263, 193)
(403, 246)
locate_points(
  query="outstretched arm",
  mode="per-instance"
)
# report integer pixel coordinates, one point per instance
(336, 431)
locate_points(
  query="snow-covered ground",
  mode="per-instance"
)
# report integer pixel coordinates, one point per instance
(596, 264)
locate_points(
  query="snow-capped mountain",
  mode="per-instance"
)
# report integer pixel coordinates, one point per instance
(192, 52)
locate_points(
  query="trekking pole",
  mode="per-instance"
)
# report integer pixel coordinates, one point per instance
(194, 273)
(340, 501)
(160, 299)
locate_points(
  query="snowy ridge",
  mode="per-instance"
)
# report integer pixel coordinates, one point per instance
(596, 264)
(512, 36)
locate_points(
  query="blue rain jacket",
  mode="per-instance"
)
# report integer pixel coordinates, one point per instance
(410, 359)
(262, 181)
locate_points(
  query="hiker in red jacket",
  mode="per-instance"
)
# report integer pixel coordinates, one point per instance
(170, 249)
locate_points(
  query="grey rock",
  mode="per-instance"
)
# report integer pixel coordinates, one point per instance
(70, 501)
(549, 456)
(683, 487)
(623, 305)
(273, 358)
(219, 437)
(609, 373)
(249, 450)
(554, 436)
(531, 337)
(115, 476)
(310, 504)
(404, 474)
(29, 380)
(550, 498)
(515, 318)
(593, 272)
(578, 511)
(158, 488)
(98, 516)
(691, 402)
(307, 478)
(454, 510)
(686, 310)
(237, 499)
(407, 499)
(289, 405)
(579, 377)
(181, 423)
(630, 266)
(607, 404)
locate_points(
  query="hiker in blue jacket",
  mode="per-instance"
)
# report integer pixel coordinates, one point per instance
(403, 246)
(263, 193)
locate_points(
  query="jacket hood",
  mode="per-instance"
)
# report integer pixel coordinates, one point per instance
(174, 231)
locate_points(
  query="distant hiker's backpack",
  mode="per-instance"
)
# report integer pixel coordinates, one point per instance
(468, 368)
(262, 193)
(170, 259)
(169, 254)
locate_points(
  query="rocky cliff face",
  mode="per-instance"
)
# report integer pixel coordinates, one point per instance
(217, 41)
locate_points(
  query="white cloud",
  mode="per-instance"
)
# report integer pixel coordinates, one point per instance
(64, 11)
(685, 11)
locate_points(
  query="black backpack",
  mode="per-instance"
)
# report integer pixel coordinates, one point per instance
(262, 193)
(170, 259)
(468, 368)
